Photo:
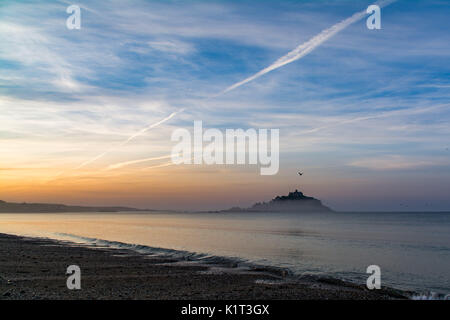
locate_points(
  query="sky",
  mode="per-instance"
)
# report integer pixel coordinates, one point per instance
(365, 115)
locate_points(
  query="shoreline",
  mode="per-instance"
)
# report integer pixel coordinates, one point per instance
(35, 268)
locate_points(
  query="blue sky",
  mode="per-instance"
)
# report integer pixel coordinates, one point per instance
(366, 114)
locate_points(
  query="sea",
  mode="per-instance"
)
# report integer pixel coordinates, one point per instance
(412, 249)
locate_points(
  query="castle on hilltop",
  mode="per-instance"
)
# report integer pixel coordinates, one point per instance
(296, 195)
(294, 202)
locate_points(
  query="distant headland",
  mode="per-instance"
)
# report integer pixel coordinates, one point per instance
(8, 207)
(294, 202)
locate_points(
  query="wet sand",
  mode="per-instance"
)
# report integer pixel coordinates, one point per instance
(33, 268)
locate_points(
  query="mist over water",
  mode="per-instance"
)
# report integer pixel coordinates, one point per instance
(412, 249)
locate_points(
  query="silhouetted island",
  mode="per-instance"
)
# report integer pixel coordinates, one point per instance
(294, 202)
(8, 207)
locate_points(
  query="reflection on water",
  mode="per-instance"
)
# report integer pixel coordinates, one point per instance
(412, 249)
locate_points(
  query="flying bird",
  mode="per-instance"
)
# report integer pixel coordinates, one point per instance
(300, 173)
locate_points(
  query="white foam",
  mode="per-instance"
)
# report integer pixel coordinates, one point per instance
(431, 296)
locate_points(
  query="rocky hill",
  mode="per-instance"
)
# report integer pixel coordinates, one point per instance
(294, 202)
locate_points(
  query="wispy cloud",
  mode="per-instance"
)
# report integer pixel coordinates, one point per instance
(30, 47)
(171, 46)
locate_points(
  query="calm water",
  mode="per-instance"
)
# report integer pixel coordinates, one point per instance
(412, 249)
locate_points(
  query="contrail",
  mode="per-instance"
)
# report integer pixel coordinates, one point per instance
(168, 164)
(386, 114)
(127, 163)
(137, 134)
(308, 46)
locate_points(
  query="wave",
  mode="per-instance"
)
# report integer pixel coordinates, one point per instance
(240, 265)
(180, 255)
(430, 296)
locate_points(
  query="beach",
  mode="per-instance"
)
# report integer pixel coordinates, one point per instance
(34, 268)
